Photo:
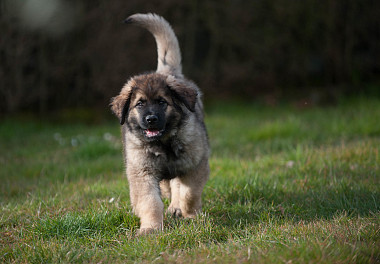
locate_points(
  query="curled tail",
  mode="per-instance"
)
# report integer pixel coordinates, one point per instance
(169, 54)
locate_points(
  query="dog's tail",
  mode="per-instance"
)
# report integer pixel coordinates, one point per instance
(169, 54)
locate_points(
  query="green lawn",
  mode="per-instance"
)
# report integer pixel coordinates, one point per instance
(287, 185)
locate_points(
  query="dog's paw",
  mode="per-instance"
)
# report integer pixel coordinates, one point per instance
(176, 212)
(189, 216)
(146, 231)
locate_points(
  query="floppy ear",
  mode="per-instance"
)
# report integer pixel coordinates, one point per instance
(184, 91)
(120, 104)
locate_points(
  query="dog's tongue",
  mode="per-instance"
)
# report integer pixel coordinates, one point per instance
(152, 133)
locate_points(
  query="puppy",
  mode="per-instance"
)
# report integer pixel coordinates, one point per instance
(164, 137)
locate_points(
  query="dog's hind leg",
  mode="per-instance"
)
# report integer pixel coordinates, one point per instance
(174, 208)
(165, 189)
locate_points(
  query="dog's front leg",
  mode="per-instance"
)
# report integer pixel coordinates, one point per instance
(191, 187)
(146, 201)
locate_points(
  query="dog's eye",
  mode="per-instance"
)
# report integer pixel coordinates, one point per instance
(140, 104)
(162, 102)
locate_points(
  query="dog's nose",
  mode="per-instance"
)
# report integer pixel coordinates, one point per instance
(151, 119)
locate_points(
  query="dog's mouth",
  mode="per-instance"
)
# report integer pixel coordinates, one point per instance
(152, 133)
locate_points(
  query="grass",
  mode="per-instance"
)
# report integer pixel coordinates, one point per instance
(287, 185)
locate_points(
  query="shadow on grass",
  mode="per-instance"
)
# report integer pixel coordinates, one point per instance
(225, 216)
(241, 209)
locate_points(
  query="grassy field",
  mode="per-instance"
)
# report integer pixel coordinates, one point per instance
(287, 185)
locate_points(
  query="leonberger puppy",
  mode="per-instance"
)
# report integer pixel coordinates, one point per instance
(164, 137)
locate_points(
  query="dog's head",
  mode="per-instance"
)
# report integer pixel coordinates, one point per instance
(151, 105)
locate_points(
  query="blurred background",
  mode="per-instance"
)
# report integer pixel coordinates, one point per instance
(70, 54)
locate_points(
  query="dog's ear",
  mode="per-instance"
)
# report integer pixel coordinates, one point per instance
(120, 104)
(184, 91)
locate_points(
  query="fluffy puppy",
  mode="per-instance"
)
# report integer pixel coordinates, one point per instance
(164, 137)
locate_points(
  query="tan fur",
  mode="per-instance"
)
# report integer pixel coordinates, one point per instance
(175, 164)
(169, 55)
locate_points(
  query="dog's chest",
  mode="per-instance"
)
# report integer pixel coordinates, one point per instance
(164, 154)
(171, 160)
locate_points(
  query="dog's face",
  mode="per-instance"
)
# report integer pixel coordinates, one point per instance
(150, 110)
(151, 106)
